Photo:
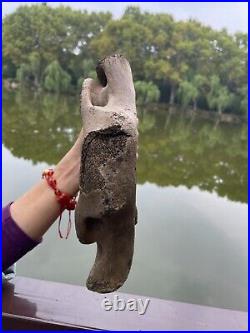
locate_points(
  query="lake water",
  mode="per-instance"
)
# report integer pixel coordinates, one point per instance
(191, 236)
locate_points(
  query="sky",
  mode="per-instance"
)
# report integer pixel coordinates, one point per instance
(230, 15)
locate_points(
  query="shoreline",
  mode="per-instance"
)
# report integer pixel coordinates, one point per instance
(231, 118)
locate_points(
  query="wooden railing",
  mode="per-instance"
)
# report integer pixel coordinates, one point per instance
(30, 304)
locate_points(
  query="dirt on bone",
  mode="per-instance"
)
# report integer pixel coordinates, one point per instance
(105, 167)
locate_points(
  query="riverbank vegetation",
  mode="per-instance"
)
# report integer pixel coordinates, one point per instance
(175, 149)
(181, 62)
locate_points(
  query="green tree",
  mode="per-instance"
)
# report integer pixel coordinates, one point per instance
(87, 71)
(146, 92)
(174, 56)
(9, 69)
(187, 92)
(24, 74)
(219, 96)
(55, 78)
(244, 100)
(127, 37)
(190, 91)
(36, 35)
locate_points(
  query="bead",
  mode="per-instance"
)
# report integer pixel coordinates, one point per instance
(64, 199)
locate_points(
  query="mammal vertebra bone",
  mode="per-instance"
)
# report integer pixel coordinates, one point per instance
(106, 210)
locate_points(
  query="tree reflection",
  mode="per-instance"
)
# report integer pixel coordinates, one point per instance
(40, 127)
(172, 149)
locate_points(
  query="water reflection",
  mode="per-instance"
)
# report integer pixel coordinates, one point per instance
(173, 150)
(191, 240)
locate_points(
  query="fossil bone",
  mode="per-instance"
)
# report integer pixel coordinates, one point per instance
(106, 210)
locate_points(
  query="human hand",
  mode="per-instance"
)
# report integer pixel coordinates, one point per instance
(67, 171)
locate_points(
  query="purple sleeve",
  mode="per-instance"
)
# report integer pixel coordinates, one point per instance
(15, 243)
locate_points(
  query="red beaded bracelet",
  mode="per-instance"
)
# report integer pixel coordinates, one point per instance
(65, 200)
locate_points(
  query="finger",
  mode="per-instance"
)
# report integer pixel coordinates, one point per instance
(78, 143)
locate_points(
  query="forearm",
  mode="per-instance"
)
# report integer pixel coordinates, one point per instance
(38, 208)
(15, 243)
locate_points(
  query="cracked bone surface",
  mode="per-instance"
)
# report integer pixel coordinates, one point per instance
(106, 208)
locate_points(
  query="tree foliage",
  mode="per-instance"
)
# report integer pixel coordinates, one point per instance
(181, 153)
(218, 96)
(146, 92)
(189, 91)
(55, 78)
(24, 74)
(181, 58)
